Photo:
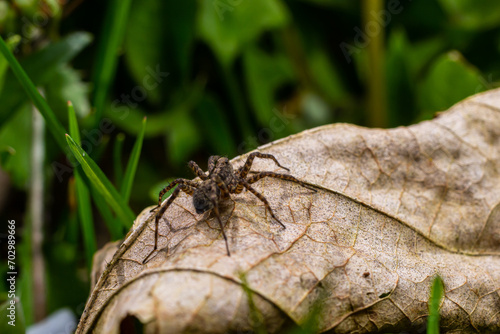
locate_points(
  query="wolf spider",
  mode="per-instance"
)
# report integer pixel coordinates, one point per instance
(220, 182)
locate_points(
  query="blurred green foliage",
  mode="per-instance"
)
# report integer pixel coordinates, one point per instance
(214, 77)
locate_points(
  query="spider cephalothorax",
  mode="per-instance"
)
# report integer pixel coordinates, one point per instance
(220, 182)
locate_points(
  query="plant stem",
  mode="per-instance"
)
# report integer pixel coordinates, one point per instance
(377, 104)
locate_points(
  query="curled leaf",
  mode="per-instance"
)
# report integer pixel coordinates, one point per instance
(395, 208)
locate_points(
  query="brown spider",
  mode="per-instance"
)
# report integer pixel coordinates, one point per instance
(220, 182)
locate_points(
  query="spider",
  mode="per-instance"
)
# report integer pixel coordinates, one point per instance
(220, 182)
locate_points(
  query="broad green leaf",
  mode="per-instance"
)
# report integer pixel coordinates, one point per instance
(102, 184)
(39, 68)
(449, 80)
(400, 83)
(128, 180)
(127, 118)
(183, 137)
(65, 85)
(228, 26)
(327, 75)
(264, 74)
(154, 191)
(82, 196)
(472, 14)
(215, 127)
(159, 34)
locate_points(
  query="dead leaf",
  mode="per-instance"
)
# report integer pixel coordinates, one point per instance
(395, 208)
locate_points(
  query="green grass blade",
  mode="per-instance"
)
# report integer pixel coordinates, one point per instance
(50, 118)
(256, 317)
(117, 159)
(133, 161)
(112, 34)
(83, 197)
(85, 216)
(74, 130)
(114, 227)
(434, 304)
(102, 184)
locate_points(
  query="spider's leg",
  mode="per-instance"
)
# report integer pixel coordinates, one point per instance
(243, 171)
(187, 189)
(224, 191)
(171, 185)
(197, 170)
(256, 177)
(262, 198)
(216, 211)
(212, 161)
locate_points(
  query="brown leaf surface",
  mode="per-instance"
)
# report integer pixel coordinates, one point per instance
(395, 208)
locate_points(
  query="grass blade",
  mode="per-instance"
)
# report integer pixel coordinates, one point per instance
(256, 317)
(112, 36)
(114, 228)
(82, 197)
(128, 180)
(434, 304)
(102, 184)
(117, 159)
(50, 118)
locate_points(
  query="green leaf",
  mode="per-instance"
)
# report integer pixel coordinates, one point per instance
(65, 85)
(133, 161)
(102, 184)
(264, 74)
(115, 23)
(114, 227)
(227, 28)
(74, 131)
(154, 191)
(215, 126)
(40, 68)
(327, 76)
(183, 138)
(400, 83)
(6, 152)
(83, 197)
(160, 33)
(471, 14)
(15, 137)
(127, 118)
(450, 80)
(434, 305)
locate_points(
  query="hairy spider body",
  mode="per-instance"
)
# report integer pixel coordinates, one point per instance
(220, 182)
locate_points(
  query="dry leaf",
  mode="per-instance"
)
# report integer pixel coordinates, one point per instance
(395, 208)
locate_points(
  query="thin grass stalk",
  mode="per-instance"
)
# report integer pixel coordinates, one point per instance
(377, 95)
